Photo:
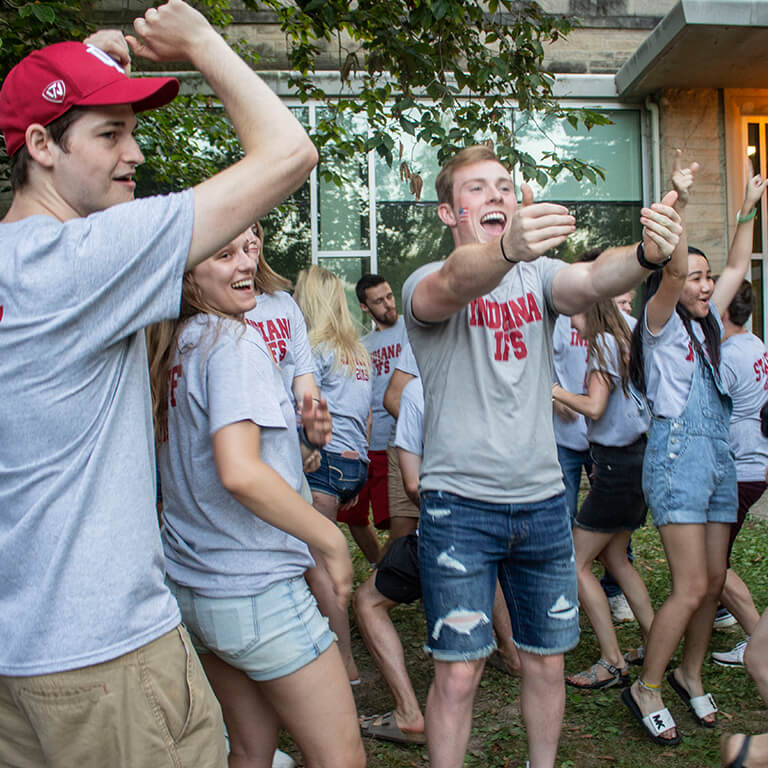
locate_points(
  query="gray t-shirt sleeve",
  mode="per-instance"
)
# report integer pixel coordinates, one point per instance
(407, 361)
(408, 288)
(409, 433)
(302, 349)
(130, 260)
(234, 397)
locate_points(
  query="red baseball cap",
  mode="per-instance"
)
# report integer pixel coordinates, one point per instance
(48, 82)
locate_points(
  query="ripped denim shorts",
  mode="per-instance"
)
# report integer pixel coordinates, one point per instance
(464, 544)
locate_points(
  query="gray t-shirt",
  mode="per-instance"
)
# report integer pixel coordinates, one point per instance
(349, 400)
(278, 317)
(81, 564)
(213, 544)
(669, 360)
(744, 370)
(407, 364)
(385, 348)
(410, 420)
(487, 375)
(570, 358)
(625, 418)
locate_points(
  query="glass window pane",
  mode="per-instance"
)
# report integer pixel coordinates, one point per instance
(288, 236)
(421, 159)
(350, 270)
(615, 148)
(343, 221)
(601, 225)
(408, 235)
(758, 316)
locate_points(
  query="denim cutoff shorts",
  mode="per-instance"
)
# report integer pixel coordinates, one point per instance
(267, 636)
(338, 476)
(688, 476)
(465, 544)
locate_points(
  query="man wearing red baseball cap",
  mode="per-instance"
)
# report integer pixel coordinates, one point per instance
(95, 668)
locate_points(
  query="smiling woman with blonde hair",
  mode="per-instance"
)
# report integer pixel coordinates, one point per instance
(236, 532)
(342, 371)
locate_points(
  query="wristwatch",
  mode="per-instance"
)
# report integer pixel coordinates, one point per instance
(645, 264)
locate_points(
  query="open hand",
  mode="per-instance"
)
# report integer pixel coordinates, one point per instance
(535, 228)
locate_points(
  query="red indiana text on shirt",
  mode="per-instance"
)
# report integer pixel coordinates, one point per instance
(504, 319)
(173, 381)
(276, 335)
(760, 368)
(380, 358)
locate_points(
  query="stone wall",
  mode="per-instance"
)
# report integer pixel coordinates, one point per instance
(692, 120)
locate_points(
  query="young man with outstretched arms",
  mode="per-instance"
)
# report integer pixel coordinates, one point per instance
(480, 325)
(94, 665)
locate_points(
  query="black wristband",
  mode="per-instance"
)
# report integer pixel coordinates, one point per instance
(645, 264)
(503, 252)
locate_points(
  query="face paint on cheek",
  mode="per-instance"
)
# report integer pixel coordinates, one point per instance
(463, 214)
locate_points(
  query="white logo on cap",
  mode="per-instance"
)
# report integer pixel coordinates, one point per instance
(104, 58)
(55, 92)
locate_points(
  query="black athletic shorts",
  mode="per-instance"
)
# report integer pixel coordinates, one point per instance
(397, 575)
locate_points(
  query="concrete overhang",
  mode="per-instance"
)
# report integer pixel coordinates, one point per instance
(701, 44)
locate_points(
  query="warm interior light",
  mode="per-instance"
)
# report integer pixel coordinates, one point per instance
(751, 150)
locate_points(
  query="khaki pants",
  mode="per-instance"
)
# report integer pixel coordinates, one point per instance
(399, 503)
(152, 707)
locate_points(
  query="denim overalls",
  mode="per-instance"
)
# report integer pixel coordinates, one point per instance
(688, 473)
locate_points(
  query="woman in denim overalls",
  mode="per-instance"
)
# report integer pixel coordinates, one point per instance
(689, 478)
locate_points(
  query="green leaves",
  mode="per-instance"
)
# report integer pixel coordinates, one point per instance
(444, 71)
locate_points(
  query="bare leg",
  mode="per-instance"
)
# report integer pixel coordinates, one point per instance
(686, 551)
(756, 662)
(587, 545)
(699, 629)
(502, 626)
(738, 600)
(449, 711)
(757, 756)
(756, 656)
(381, 638)
(365, 538)
(316, 705)
(322, 588)
(542, 701)
(615, 558)
(252, 723)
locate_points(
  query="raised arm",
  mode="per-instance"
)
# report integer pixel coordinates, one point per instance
(662, 304)
(476, 269)
(278, 153)
(740, 253)
(616, 270)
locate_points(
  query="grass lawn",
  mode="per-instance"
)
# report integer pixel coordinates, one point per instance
(597, 730)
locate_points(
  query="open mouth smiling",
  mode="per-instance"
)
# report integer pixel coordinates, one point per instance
(494, 222)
